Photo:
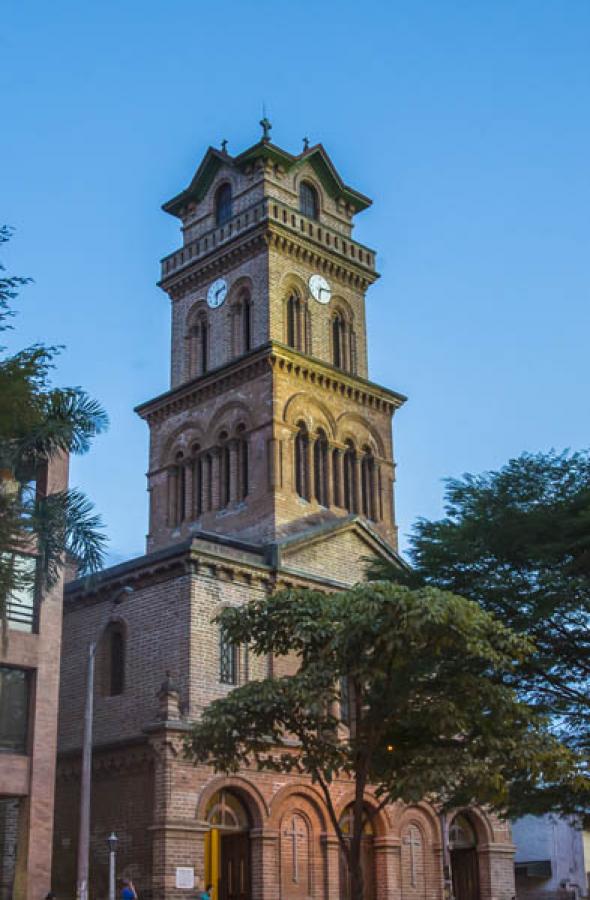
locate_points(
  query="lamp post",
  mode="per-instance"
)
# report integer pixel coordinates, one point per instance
(112, 841)
(85, 784)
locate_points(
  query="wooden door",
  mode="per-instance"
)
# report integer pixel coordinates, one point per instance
(234, 872)
(465, 874)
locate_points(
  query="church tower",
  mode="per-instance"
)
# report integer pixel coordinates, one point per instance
(271, 425)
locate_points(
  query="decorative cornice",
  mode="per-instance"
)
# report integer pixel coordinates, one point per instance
(281, 359)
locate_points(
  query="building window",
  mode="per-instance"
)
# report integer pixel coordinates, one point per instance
(320, 467)
(349, 467)
(243, 462)
(224, 471)
(223, 204)
(308, 200)
(113, 660)
(336, 488)
(198, 362)
(21, 604)
(368, 484)
(293, 321)
(344, 701)
(338, 339)
(246, 322)
(228, 659)
(14, 709)
(302, 461)
(178, 490)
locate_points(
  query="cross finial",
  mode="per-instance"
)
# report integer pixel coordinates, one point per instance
(266, 126)
(224, 146)
(305, 144)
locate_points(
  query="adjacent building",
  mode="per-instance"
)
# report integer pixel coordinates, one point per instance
(271, 464)
(29, 687)
(552, 860)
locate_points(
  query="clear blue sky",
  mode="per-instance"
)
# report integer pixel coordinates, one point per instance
(467, 122)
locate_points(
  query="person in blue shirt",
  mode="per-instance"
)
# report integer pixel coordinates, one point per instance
(128, 892)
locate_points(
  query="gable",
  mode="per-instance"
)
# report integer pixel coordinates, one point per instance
(338, 556)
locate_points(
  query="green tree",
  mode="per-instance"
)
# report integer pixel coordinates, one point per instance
(418, 675)
(517, 541)
(37, 423)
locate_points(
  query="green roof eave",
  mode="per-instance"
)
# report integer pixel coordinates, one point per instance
(203, 178)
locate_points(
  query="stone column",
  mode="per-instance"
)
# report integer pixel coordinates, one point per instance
(387, 868)
(331, 849)
(264, 849)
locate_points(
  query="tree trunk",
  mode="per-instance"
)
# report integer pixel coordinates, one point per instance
(356, 871)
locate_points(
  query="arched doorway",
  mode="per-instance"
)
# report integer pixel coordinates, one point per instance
(227, 847)
(464, 862)
(367, 858)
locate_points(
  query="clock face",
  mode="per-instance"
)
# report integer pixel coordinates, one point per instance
(217, 293)
(320, 289)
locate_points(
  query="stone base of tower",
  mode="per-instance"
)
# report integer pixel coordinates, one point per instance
(256, 836)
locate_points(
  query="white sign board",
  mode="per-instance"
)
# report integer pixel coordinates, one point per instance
(185, 877)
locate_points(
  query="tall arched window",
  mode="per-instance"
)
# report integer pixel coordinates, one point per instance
(199, 346)
(228, 659)
(114, 660)
(336, 486)
(368, 483)
(197, 464)
(180, 499)
(223, 204)
(308, 200)
(243, 486)
(320, 467)
(246, 322)
(349, 472)
(293, 320)
(302, 461)
(224, 471)
(339, 341)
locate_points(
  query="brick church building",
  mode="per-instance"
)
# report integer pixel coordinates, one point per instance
(270, 465)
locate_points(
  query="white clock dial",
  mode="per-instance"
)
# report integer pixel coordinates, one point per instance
(217, 293)
(320, 289)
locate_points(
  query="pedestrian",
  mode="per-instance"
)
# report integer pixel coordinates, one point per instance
(128, 892)
(206, 894)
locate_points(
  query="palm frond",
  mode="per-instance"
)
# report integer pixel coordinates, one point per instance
(71, 418)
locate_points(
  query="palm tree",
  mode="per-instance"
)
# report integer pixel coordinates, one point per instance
(38, 423)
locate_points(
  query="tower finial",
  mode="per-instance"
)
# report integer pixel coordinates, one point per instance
(305, 144)
(266, 126)
(224, 146)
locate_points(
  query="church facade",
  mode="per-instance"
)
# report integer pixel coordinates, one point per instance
(271, 465)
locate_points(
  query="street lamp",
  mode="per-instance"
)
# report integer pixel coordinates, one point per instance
(84, 829)
(112, 842)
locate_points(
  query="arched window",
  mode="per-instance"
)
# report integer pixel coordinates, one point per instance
(320, 467)
(367, 856)
(336, 486)
(246, 322)
(338, 341)
(114, 660)
(368, 484)
(461, 833)
(349, 473)
(243, 485)
(228, 659)
(302, 461)
(179, 490)
(308, 200)
(199, 346)
(197, 464)
(224, 471)
(223, 204)
(293, 317)
(225, 811)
